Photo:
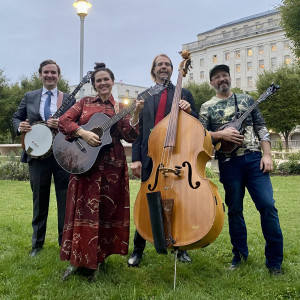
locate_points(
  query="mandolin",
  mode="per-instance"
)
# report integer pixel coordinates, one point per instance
(226, 147)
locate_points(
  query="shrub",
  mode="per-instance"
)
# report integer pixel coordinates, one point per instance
(290, 167)
(13, 169)
(210, 173)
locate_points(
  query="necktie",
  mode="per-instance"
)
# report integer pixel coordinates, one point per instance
(47, 111)
(161, 107)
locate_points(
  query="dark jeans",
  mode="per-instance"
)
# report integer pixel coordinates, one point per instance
(236, 174)
(41, 171)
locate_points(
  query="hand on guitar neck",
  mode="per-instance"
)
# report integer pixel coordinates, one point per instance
(228, 134)
(52, 123)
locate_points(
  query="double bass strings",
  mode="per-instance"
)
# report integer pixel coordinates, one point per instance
(170, 138)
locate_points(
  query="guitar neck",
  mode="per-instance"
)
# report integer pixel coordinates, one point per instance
(250, 109)
(105, 126)
(117, 117)
(65, 103)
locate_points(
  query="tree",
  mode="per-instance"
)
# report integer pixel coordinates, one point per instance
(290, 22)
(282, 111)
(10, 97)
(201, 93)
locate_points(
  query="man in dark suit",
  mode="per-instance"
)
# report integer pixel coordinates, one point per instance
(154, 110)
(40, 105)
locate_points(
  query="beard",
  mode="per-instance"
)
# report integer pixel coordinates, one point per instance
(221, 88)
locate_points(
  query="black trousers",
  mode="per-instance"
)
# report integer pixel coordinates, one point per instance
(41, 171)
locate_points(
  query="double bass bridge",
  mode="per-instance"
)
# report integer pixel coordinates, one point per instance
(176, 171)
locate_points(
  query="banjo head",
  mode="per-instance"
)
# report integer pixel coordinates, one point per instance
(38, 141)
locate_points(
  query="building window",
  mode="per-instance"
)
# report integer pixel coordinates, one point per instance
(202, 75)
(249, 65)
(258, 25)
(238, 82)
(136, 94)
(202, 62)
(238, 68)
(273, 62)
(191, 76)
(249, 52)
(286, 45)
(127, 93)
(261, 64)
(261, 49)
(237, 54)
(215, 59)
(287, 59)
(227, 56)
(270, 21)
(273, 47)
(249, 82)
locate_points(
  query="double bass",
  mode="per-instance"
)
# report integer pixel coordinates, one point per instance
(192, 209)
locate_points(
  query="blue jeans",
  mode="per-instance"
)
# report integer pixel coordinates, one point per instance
(236, 174)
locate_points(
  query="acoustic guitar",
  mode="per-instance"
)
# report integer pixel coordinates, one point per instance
(76, 156)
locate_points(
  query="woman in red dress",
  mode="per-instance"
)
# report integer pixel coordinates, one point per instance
(98, 209)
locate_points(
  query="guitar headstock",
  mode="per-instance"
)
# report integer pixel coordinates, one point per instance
(154, 90)
(272, 89)
(87, 77)
(186, 63)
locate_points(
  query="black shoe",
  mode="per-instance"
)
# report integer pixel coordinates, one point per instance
(275, 271)
(34, 252)
(71, 270)
(134, 260)
(236, 262)
(183, 256)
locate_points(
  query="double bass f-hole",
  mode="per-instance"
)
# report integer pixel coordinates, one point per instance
(177, 171)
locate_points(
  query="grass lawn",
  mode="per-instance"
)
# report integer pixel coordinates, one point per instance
(207, 277)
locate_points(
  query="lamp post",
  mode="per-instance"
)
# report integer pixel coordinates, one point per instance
(82, 11)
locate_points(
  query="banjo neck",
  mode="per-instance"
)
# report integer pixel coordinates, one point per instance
(70, 98)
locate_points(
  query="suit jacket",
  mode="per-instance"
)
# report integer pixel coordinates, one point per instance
(29, 108)
(147, 120)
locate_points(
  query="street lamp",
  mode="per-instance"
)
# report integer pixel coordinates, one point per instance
(82, 11)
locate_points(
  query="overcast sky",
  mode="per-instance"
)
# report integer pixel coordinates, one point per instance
(126, 35)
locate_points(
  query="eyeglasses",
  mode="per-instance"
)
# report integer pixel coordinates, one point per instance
(219, 76)
(163, 63)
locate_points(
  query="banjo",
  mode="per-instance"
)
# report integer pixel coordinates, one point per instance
(38, 141)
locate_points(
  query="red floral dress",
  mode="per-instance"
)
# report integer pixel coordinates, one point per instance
(97, 209)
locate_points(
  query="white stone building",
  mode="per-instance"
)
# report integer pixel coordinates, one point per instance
(248, 46)
(121, 91)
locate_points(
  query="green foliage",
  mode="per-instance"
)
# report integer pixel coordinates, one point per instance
(291, 167)
(237, 90)
(13, 169)
(201, 93)
(206, 278)
(10, 98)
(290, 22)
(210, 173)
(282, 110)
